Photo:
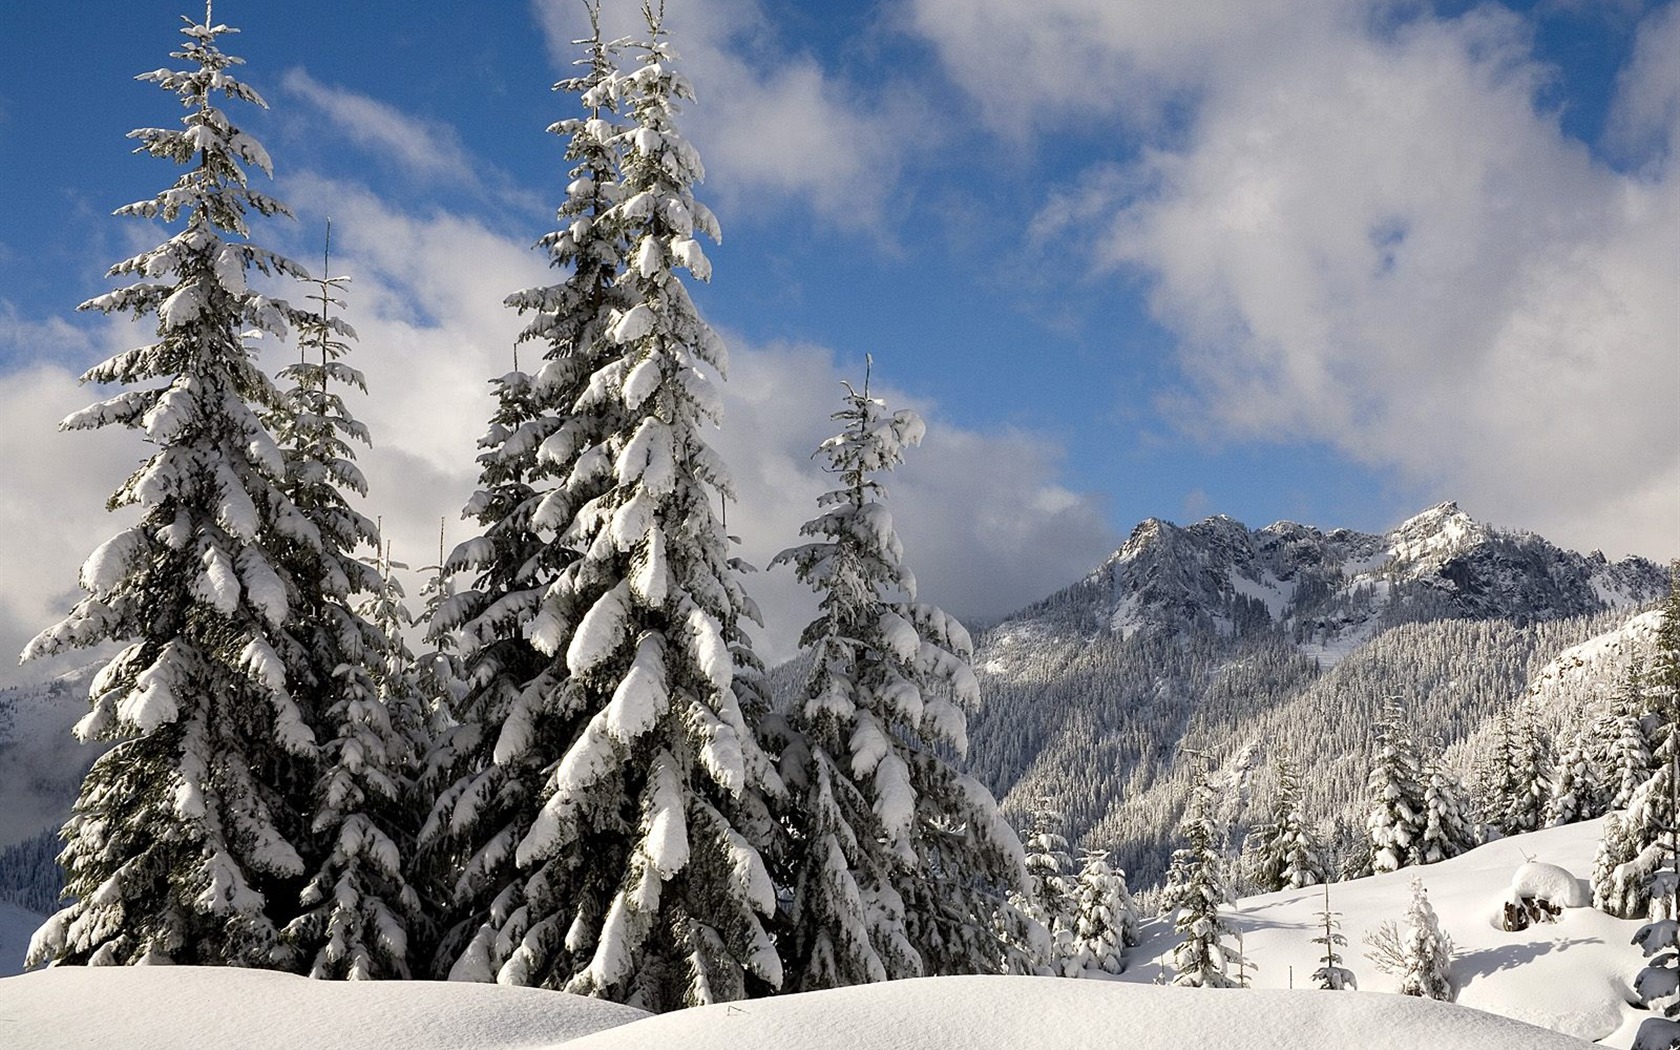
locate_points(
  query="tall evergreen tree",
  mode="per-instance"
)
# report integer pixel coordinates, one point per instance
(1658, 983)
(1398, 813)
(1048, 897)
(1284, 854)
(643, 875)
(875, 802)
(861, 717)
(1448, 830)
(1528, 781)
(1615, 849)
(1631, 761)
(1195, 893)
(545, 471)
(1651, 810)
(1495, 783)
(1577, 784)
(1105, 917)
(185, 843)
(353, 667)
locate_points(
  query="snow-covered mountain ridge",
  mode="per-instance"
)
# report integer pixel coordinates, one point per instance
(1328, 590)
(1285, 639)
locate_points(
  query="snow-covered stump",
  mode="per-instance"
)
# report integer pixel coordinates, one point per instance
(1539, 892)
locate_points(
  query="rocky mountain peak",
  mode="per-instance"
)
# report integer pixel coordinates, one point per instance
(1330, 590)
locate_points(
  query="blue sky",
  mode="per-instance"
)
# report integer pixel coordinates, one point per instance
(1329, 260)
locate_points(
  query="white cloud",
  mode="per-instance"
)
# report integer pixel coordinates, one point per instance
(52, 506)
(1365, 233)
(1645, 120)
(1068, 63)
(769, 124)
(986, 527)
(423, 149)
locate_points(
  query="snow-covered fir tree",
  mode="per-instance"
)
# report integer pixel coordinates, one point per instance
(1494, 785)
(1048, 897)
(1528, 782)
(185, 844)
(1615, 849)
(1631, 761)
(630, 687)
(547, 457)
(354, 669)
(1650, 812)
(1577, 785)
(1282, 851)
(361, 913)
(1425, 951)
(438, 676)
(1658, 984)
(1196, 893)
(1398, 812)
(847, 766)
(1106, 918)
(898, 864)
(1448, 830)
(1332, 976)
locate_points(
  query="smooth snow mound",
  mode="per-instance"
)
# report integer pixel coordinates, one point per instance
(170, 1007)
(1548, 882)
(1047, 1013)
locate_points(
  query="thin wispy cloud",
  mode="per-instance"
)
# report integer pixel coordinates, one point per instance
(423, 149)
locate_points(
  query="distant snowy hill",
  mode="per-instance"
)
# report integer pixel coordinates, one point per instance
(1286, 639)
(1574, 976)
(1569, 978)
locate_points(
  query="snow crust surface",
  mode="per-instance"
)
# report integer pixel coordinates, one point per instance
(1047, 1013)
(170, 1007)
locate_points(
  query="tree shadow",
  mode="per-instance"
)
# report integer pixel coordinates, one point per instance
(1486, 961)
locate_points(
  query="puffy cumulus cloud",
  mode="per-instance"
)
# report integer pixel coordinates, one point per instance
(986, 527)
(769, 123)
(1365, 232)
(52, 499)
(1645, 119)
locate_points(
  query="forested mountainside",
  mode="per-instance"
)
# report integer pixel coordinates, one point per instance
(41, 763)
(1248, 645)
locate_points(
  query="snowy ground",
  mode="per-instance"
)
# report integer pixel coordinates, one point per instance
(174, 1008)
(1571, 976)
(168, 1008)
(1044, 1013)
